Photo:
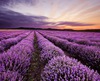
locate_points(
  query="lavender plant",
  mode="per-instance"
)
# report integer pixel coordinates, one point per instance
(4, 44)
(17, 58)
(90, 55)
(63, 68)
(10, 76)
(10, 34)
(48, 50)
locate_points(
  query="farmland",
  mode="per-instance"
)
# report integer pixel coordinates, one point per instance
(44, 55)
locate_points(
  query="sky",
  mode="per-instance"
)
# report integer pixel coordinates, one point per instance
(58, 14)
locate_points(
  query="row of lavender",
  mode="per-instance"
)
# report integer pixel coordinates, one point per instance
(9, 34)
(87, 38)
(7, 43)
(59, 67)
(81, 41)
(92, 36)
(16, 61)
(90, 55)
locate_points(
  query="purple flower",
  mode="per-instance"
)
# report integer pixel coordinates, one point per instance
(87, 54)
(63, 68)
(18, 57)
(10, 76)
(48, 50)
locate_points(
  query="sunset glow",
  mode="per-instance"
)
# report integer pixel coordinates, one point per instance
(78, 14)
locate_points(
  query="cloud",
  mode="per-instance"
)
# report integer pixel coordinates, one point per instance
(13, 2)
(74, 24)
(3, 2)
(10, 19)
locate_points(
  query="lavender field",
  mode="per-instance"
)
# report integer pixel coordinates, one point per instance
(44, 55)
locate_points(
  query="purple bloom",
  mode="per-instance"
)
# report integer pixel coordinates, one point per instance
(87, 54)
(17, 58)
(48, 50)
(10, 76)
(6, 43)
(63, 68)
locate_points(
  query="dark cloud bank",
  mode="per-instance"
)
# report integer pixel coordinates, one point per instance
(13, 19)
